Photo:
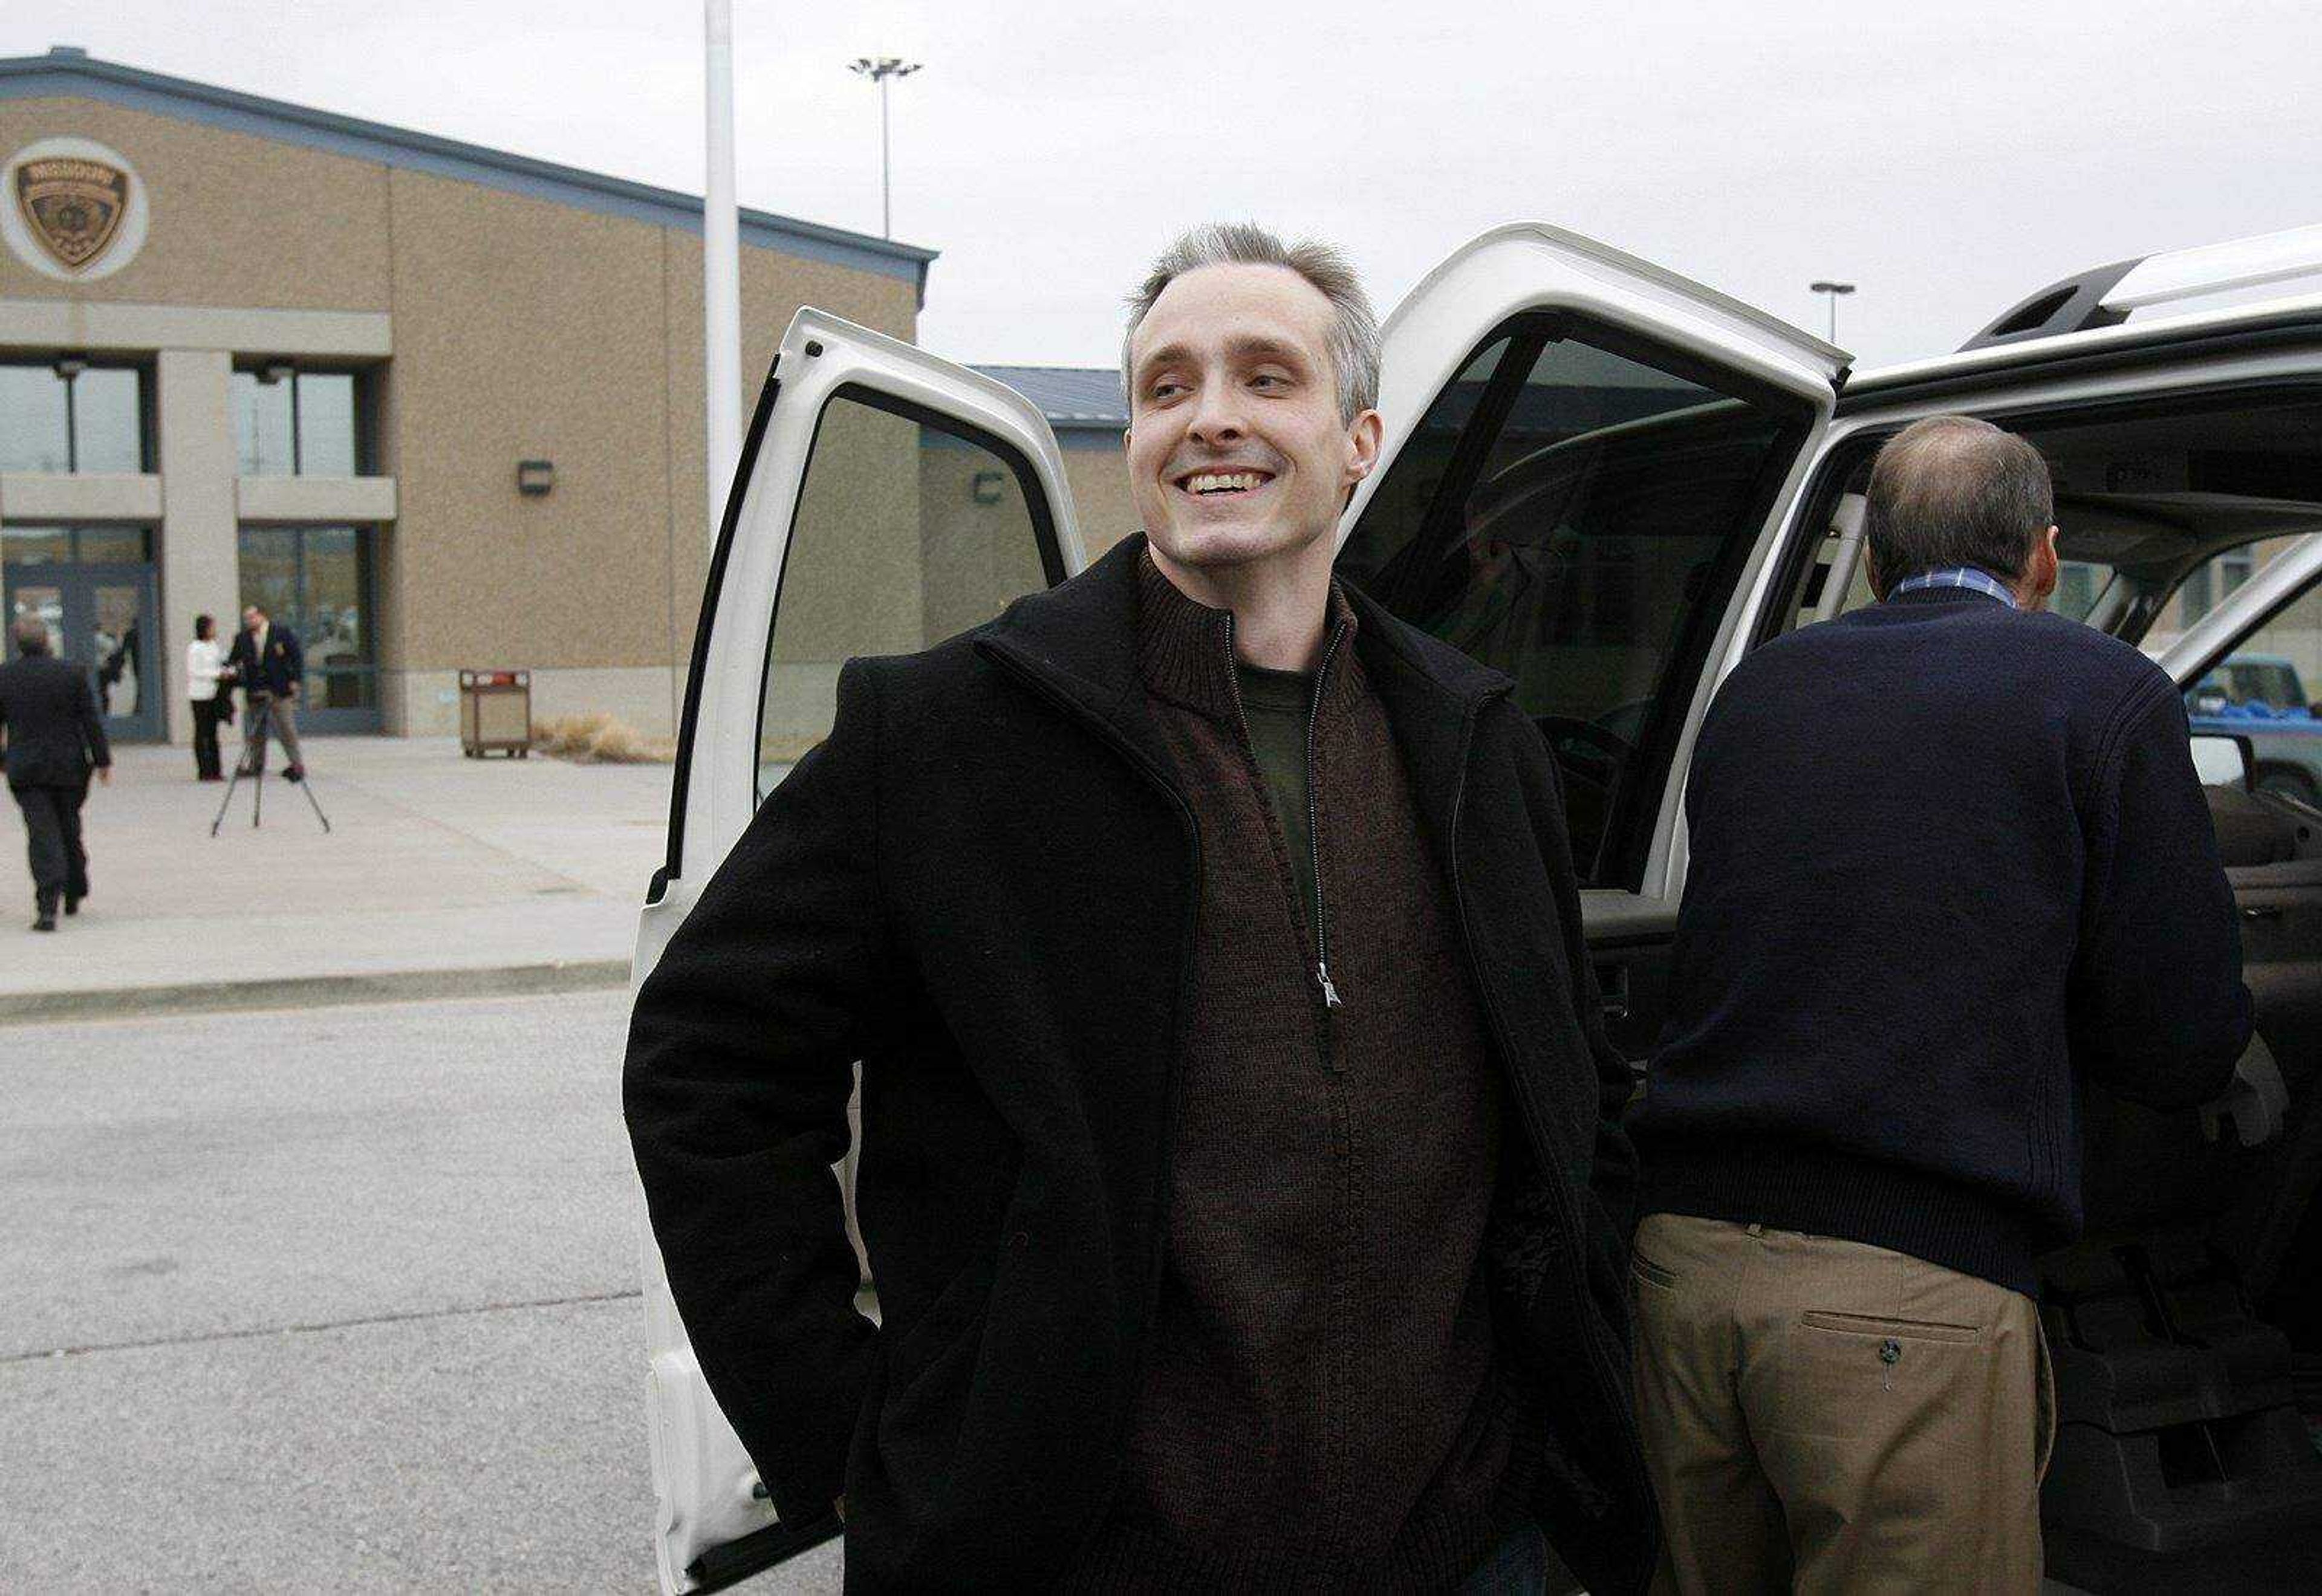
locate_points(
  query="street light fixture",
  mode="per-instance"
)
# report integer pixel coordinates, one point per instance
(878, 69)
(1835, 290)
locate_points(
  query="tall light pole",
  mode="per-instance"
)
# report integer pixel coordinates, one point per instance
(721, 263)
(1836, 290)
(878, 69)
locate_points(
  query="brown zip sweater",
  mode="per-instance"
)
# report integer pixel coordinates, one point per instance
(1319, 1400)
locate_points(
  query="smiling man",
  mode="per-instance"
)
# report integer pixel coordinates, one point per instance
(1241, 1166)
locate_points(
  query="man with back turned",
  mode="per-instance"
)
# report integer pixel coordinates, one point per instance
(52, 736)
(1947, 849)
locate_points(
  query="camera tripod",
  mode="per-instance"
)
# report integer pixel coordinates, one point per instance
(253, 763)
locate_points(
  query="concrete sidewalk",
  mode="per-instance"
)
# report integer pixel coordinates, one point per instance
(442, 875)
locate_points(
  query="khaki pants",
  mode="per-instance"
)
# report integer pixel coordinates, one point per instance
(279, 715)
(1824, 1416)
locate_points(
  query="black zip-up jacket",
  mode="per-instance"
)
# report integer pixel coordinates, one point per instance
(983, 886)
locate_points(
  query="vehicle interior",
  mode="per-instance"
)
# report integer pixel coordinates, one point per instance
(1577, 514)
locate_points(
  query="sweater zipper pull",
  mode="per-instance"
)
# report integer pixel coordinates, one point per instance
(1329, 992)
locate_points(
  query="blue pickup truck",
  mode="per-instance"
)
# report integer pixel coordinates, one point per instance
(2260, 696)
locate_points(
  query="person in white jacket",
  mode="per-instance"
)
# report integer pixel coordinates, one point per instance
(212, 703)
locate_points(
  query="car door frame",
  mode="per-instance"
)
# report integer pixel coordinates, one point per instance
(712, 1524)
(1528, 268)
(1514, 274)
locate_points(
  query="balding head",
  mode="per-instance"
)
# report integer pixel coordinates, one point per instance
(1951, 490)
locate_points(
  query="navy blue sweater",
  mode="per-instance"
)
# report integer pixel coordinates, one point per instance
(1943, 855)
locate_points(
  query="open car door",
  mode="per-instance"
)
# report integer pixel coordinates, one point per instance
(885, 500)
(2186, 1327)
(1586, 464)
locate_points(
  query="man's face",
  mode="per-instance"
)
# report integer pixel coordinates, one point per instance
(253, 618)
(1237, 453)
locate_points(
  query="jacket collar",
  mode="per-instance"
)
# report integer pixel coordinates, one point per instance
(1185, 652)
(1081, 642)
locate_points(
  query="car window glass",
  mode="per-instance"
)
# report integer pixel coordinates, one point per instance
(2264, 690)
(1574, 513)
(907, 530)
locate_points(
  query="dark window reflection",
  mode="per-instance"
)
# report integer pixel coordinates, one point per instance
(116, 545)
(269, 571)
(316, 580)
(35, 545)
(118, 645)
(1576, 516)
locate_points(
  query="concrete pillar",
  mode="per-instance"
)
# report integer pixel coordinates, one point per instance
(201, 562)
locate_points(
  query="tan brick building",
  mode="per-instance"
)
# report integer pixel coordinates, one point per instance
(436, 405)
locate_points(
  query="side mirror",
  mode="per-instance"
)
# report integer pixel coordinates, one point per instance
(2222, 761)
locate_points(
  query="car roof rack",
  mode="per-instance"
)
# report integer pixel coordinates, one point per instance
(2103, 295)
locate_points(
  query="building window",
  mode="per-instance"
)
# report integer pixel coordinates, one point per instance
(2210, 584)
(94, 587)
(76, 545)
(318, 581)
(288, 423)
(67, 415)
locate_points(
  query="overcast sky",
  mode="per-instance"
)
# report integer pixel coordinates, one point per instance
(1948, 157)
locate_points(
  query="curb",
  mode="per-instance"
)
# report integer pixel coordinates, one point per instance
(312, 991)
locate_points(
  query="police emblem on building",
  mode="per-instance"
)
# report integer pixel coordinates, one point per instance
(73, 208)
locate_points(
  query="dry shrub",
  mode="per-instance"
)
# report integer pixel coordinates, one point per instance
(600, 739)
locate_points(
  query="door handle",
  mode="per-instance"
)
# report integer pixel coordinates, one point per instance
(2262, 911)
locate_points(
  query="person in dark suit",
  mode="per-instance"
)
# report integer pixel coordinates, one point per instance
(50, 737)
(268, 661)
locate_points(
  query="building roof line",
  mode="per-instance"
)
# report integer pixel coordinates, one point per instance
(1074, 397)
(65, 70)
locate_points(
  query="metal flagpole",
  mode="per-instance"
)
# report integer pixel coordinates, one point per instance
(721, 265)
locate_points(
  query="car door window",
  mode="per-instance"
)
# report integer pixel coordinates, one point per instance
(1574, 510)
(910, 528)
(2264, 690)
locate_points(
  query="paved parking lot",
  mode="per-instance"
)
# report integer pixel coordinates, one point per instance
(435, 863)
(324, 1299)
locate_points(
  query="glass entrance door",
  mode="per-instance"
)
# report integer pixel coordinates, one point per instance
(102, 618)
(120, 641)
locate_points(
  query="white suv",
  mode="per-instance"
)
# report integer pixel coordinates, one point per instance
(1612, 483)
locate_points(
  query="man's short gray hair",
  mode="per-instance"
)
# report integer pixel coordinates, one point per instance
(1951, 490)
(32, 634)
(1354, 339)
